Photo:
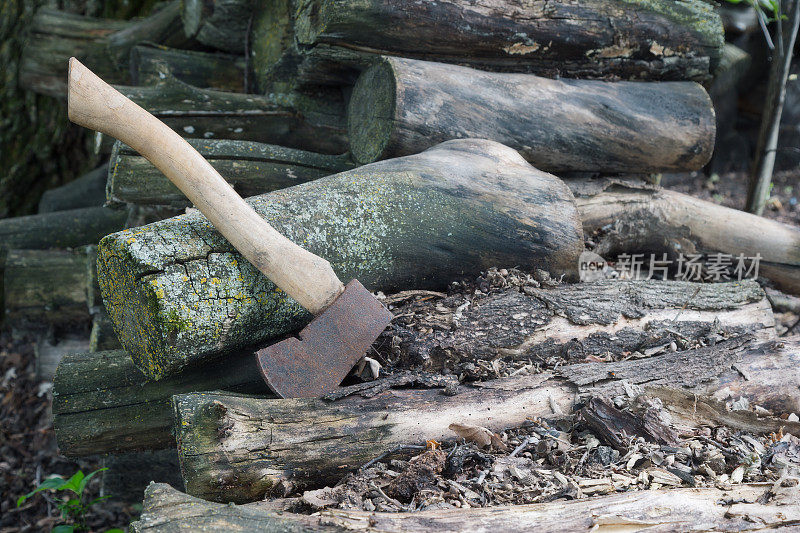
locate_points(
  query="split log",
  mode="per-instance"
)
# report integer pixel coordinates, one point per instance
(129, 474)
(46, 288)
(204, 70)
(401, 106)
(252, 168)
(61, 229)
(296, 121)
(103, 404)
(178, 292)
(633, 217)
(237, 448)
(743, 507)
(221, 24)
(88, 190)
(101, 44)
(571, 322)
(661, 40)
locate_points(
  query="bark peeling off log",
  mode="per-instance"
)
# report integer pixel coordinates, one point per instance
(237, 448)
(176, 290)
(401, 106)
(742, 508)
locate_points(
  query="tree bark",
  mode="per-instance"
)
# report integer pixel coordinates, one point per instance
(252, 168)
(204, 70)
(401, 106)
(88, 190)
(61, 229)
(103, 45)
(608, 38)
(221, 24)
(237, 448)
(103, 404)
(178, 292)
(632, 217)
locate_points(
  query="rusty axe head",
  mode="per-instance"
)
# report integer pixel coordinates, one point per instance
(314, 363)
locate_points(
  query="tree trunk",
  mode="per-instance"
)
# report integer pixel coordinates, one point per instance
(631, 217)
(402, 106)
(178, 292)
(571, 322)
(103, 404)
(61, 229)
(743, 507)
(660, 40)
(237, 448)
(87, 191)
(221, 24)
(203, 70)
(103, 45)
(252, 168)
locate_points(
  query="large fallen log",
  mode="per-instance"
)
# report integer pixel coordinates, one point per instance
(177, 291)
(61, 229)
(204, 70)
(88, 190)
(238, 448)
(743, 507)
(103, 404)
(661, 40)
(252, 168)
(402, 106)
(632, 217)
(101, 44)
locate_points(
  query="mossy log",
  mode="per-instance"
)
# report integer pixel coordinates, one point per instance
(611, 318)
(236, 449)
(45, 288)
(178, 292)
(204, 70)
(61, 229)
(403, 106)
(221, 24)
(88, 190)
(742, 507)
(252, 168)
(103, 404)
(101, 44)
(632, 217)
(292, 120)
(658, 40)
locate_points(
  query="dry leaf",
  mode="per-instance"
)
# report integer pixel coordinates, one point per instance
(478, 434)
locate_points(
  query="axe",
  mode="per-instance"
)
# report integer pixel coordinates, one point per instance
(348, 318)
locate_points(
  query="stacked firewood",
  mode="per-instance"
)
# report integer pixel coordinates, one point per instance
(412, 145)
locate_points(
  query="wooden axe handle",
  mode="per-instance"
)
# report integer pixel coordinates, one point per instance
(305, 277)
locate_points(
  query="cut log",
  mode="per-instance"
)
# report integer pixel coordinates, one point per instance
(46, 288)
(103, 404)
(221, 24)
(178, 292)
(61, 229)
(744, 507)
(294, 120)
(129, 474)
(662, 40)
(252, 168)
(204, 70)
(101, 44)
(632, 217)
(612, 319)
(238, 448)
(401, 106)
(87, 191)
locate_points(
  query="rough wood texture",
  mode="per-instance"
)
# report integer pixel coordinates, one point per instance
(87, 191)
(45, 288)
(252, 168)
(574, 321)
(635, 217)
(237, 448)
(103, 404)
(746, 507)
(222, 24)
(204, 70)
(103, 44)
(61, 229)
(177, 292)
(403, 106)
(129, 474)
(660, 40)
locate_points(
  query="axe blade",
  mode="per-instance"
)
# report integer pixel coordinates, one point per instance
(316, 361)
